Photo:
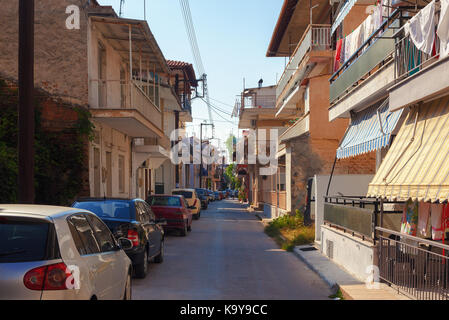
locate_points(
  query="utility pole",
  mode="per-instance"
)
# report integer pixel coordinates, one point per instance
(201, 152)
(26, 102)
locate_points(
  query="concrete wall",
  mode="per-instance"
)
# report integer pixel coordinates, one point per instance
(348, 185)
(351, 253)
(113, 65)
(60, 53)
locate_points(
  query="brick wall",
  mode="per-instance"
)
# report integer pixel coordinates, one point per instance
(60, 54)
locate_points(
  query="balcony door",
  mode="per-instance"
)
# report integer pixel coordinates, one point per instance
(102, 84)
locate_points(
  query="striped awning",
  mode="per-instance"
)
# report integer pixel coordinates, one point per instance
(417, 165)
(342, 14)
(369, 130)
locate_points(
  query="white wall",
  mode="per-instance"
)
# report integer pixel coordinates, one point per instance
(351, 253)
(348, 185)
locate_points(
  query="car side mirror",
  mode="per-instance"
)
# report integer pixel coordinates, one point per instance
(125, 243)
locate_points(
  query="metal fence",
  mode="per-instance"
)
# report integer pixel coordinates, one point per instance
(418, 268)
(360, 215)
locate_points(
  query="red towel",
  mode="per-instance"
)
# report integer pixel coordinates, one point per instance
(338, 55)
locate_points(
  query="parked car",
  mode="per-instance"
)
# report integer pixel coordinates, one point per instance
(204, 197)
(58, 253)
(211, 195)
(193, 200)
(132, 219)
(217, 195)
(174, 209)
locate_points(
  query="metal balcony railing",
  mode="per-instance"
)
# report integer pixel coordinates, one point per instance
(375, 52)
(315, 38)
(409, 59)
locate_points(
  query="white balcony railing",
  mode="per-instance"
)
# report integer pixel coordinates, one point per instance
(135, 95)
(315, 38)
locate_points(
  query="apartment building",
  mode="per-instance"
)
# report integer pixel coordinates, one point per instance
(307, 144)
(394, 89)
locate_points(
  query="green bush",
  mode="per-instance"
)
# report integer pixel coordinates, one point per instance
(59, 156)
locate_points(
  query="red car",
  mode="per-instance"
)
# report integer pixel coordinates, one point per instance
(174, 209)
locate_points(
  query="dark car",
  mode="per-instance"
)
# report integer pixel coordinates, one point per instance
(132, 219)
(174, 209)
(217, 195)
(204, 197)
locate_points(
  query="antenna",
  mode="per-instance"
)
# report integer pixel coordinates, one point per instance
(122, 3)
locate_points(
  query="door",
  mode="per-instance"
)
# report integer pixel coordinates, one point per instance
(157, 230)
(100, 269)
(113, 262)
(143, 217)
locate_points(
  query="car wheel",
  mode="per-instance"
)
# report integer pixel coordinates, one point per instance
(128, 288)
(189, 227)
(184, 230)
(160, 257)
(142, 268)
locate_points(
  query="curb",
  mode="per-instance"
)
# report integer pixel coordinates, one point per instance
(332, 284)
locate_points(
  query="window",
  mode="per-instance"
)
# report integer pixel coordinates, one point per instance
(86, 234)
(121, 174)
(186, 194)
(164, 201)
(24, 240)
(149, 211)
(103, 235)
(141, 213)
(107, 209)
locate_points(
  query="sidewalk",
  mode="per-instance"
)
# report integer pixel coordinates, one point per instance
(337, 278)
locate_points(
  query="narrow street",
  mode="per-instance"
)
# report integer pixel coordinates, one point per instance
(228, 256)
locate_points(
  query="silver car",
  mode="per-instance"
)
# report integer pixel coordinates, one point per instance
(58, 253)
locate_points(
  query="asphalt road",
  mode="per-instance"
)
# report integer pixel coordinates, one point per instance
(227, 256)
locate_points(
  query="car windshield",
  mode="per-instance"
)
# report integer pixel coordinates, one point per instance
(23, 240)
(107, 209)
(164, 201)
(200, 192)
(186, 194)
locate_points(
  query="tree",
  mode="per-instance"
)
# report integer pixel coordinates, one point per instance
(230, 143)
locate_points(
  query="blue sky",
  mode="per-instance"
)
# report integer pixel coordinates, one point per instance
(233, 38)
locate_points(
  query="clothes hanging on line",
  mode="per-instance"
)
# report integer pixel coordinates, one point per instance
(421, 28)
(443, 29)
(436, 217)
(338, 55)
(423, 219)
(410, 218)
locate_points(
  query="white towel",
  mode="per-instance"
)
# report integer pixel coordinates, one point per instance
(421, 28)
(443, 29)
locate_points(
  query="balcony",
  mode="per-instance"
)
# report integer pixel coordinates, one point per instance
(315, 38)
(415, 73)
(127, 107)
(368, 73)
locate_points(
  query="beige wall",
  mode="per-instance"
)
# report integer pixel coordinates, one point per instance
(118, 144)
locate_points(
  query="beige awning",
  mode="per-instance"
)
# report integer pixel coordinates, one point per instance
(417, 165)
